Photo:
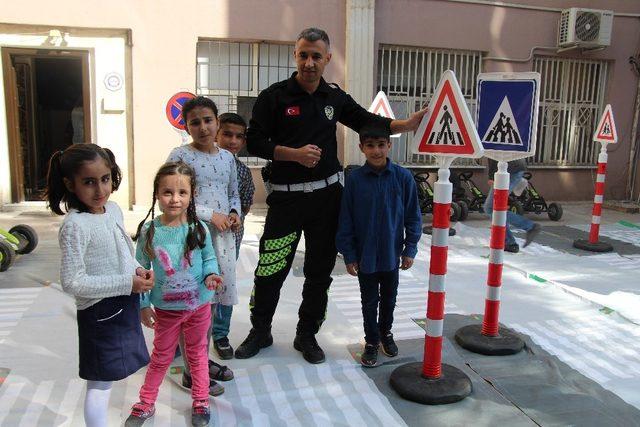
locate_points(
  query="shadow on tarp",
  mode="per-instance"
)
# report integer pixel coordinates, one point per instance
(561, 237)
(529, 388)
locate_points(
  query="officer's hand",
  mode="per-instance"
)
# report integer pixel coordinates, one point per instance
(309, 155)
(415, 118)
(352, 268)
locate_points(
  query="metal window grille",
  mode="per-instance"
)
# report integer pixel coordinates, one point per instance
(233, 73)
(409, 76)
(571, 100)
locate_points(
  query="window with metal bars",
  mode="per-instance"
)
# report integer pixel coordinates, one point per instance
(571, 101)
(232, 74)
(409, 76)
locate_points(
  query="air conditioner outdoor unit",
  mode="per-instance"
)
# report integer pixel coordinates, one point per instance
(586, 28)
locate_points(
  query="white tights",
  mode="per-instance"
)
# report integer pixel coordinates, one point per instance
(96, 403)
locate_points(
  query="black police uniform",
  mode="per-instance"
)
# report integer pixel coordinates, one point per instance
(284, 114)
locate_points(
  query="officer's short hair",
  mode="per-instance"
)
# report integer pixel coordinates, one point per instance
(374, 131)
(313, 34)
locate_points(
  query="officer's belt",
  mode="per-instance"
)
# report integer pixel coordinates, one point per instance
(308, 187)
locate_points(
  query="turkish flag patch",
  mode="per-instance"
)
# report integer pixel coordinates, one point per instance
(293, 111)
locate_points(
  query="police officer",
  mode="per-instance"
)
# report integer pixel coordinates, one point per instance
(294, 125)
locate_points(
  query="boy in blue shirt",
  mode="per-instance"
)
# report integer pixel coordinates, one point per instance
(379, 228)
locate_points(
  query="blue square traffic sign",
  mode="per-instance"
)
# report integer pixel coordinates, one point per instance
(507, 113)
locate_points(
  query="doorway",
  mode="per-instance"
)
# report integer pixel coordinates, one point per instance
(47, 97)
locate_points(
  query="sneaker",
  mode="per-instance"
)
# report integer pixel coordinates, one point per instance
(309, 347)
(513, 248)
(140, 412)
(200, 413)
(389, 347)
(224, 349)
(531, 234)
(253, 343)
(369, 357)
(215, 389)
(219, 372)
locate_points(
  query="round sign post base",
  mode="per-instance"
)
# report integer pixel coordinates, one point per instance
(452, 386)
(428, 229)
(586, 245)
(471, 338)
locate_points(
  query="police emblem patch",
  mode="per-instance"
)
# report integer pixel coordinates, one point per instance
(328, 111)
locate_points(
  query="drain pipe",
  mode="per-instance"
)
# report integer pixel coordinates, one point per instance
(633, 166)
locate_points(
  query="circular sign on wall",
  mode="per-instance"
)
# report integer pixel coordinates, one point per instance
(174, 109)
(113, 81)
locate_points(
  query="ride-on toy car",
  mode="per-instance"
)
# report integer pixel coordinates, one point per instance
(531, 201)
(20, 239)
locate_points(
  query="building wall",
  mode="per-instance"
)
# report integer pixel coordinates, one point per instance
(162, 48)
(511, 32)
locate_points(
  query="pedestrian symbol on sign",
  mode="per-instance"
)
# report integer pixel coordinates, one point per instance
(504, 127)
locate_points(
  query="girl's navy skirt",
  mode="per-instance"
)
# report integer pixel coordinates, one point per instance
(111, 343)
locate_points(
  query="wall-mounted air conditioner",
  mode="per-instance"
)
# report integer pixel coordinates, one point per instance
(586, 28)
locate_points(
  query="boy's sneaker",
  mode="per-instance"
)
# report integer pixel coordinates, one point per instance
(256, 340)
(139, 413)
(200, 413)
(224, 349)
(215, 389)
(369, 356)
(513, 248)
(531, 234)
(389, 347)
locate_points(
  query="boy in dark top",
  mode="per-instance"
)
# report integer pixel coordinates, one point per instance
(378, 230)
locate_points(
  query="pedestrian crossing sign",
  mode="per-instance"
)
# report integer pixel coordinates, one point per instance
(381, 107)
(507, 114)
(606, 130)
(447, 129)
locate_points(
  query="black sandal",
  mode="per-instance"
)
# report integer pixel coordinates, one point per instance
(221, 372)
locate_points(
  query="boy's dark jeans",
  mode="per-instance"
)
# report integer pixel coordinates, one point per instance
(378, 288)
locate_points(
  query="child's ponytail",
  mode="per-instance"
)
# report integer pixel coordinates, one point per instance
(56, 188)
(148, 244)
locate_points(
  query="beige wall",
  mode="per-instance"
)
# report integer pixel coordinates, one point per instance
(163, 49)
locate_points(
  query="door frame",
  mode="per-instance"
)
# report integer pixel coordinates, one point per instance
(11, 103)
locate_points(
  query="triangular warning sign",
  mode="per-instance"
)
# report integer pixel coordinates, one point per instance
(381, 107)
(447, 129)
(606, 130)
(503, 128)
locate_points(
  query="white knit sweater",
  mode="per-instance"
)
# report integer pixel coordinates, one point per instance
(97, 256)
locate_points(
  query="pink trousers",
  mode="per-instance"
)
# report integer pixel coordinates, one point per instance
(194, 326)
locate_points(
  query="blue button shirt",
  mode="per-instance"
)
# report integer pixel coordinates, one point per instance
(380, 219)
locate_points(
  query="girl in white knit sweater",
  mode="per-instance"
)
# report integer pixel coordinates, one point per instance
(99, 269)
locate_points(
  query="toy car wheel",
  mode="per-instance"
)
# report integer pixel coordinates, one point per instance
(516, 207)
(6, 256)
(28, 237)
(554, 212)
(455, 212)
(464, 210)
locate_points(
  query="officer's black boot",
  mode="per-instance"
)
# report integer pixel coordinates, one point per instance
(258, 338)
(307, 344)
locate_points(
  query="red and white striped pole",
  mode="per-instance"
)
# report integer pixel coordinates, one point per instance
(496, 245)
(593, 244)
(489, 338)
(432, 362)
(599, 195)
